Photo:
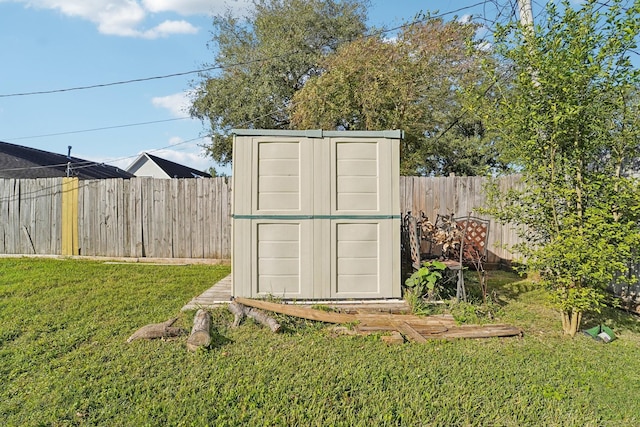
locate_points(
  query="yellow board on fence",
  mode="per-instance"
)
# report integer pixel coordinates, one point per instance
(70, 216)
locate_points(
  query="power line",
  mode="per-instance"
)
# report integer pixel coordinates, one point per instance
(143, 79)
(93, 163)
(246, 122)
(96, 129)
(376, 33)
(221, 67)
(90, 163)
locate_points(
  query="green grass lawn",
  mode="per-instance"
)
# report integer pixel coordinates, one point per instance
(64, 361)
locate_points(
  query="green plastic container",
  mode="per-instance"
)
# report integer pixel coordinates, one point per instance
(601, 333)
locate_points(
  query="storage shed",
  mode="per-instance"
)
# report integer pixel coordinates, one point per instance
(316, 214)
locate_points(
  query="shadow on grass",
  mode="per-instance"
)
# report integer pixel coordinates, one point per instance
(502, 286)
(615, 318)
(218, 340)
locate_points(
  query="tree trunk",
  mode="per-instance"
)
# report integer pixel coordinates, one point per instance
(565, 323)
(264, 319)
(238, 311)
(200, 335)
(571, 322)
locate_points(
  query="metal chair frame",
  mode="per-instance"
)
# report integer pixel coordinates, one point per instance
(468, 248)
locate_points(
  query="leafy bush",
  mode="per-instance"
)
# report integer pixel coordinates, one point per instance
(425, 281)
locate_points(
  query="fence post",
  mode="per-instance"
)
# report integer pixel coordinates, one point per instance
(70, 217)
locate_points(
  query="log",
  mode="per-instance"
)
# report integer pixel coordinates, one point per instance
(200, 333)
(239, 310)
(157, 330)
(262, 318)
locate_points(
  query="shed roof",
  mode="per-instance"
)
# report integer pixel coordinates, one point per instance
(319, 133)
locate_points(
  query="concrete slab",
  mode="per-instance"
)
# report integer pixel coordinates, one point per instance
(220, 295)
(216, 296)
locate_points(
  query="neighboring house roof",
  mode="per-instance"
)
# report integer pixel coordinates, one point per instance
(149, 165)
(17, 161)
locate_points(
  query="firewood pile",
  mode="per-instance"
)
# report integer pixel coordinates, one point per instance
(445, 233)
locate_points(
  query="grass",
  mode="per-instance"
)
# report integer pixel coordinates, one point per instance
(64, 361)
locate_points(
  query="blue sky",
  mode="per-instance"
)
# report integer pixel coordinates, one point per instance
(50, 45)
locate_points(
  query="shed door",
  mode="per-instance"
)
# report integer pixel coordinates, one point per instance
(282, 203)
(282, 259)
(362, 234)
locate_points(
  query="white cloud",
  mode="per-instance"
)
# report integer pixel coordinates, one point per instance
(485, 46)
(178, 103)
(176, 140)
(127, 17)
(194, 7)
(170, 27)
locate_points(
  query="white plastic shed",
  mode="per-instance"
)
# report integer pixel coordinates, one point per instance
(316, 214)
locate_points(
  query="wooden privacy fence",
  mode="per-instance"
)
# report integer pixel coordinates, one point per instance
(139, 217)
(459, 195)
(179, 218)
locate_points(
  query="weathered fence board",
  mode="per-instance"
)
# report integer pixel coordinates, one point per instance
(140, 217)
(186, 218)
(459, 196)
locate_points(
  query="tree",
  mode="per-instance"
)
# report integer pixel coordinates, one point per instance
(415, 83)
(569, 121)
(265, 59)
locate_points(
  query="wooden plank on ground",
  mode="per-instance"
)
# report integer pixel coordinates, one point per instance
(423, 330)
(414, 328)
(386, 319)
(481, 331)
(411, 334)
(298, 311)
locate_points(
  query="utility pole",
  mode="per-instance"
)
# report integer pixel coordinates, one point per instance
(69, 161)
(526, 21)
(526, 15)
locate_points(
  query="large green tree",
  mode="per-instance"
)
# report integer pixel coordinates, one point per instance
(264, 59)
(416, 82)
(570, 122)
